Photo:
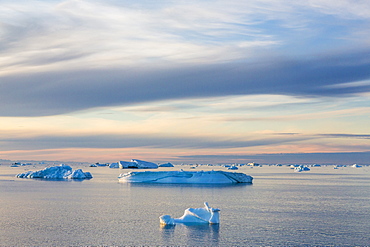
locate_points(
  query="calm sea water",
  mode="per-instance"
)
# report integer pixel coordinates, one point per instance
(322, 207)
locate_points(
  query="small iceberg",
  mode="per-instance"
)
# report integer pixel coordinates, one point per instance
(136, 164)
(301, 169)
(166, 165)
(114, 165)
(56, 172)
(185, 177)
(205, 215)
(98, 164)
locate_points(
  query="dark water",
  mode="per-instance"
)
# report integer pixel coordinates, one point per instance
(322, 207)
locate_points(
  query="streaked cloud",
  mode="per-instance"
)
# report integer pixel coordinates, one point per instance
(55, 93)
(354, 136)
(288, 158)
(192, 77)
(134, 141)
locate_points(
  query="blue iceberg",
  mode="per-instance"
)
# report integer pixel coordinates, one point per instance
(136, 164)
(56, 172)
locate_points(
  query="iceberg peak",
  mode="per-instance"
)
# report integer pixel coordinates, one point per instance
(205, 215)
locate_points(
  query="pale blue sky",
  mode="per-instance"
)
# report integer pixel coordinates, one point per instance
(185, 81)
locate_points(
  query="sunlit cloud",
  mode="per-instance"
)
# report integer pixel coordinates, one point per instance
(171, 80)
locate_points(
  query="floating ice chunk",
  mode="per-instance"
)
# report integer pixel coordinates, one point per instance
(56, 172)
(301, 169)
(114, 165)
(126, 164)
(166, 165)
(144, 164)
(206, 215)
(136, 164)
(185, 177)
(98, 164)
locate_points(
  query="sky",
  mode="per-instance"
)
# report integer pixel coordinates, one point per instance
(264, 81)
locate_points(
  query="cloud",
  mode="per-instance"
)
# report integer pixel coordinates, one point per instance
(162, 141)
(52, 93)
(346, 158)
(115, 141)
(63, 56)
(353, 136)
(106, 34)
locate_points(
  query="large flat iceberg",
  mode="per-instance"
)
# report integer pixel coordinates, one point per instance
(185, 177)
(56, 172)
(205, 215)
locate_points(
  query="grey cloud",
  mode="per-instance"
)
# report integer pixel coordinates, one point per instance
(320, 158)
(129, 141)
(53, 93)
(346, 136)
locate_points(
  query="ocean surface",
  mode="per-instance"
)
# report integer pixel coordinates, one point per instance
(321, 207)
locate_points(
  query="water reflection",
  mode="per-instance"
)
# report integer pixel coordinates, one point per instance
(57, 179)
(196, 234)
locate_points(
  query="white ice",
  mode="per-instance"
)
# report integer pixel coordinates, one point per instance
(56, 172)
(185, 177)
(136, 164)
(206, 215)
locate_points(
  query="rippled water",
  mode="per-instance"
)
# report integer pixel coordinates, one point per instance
(321, 207)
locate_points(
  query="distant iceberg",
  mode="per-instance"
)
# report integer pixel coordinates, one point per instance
(136, 164)
(206, 215)
(56, 172)
(114, 165)
(185, 177)
(166, 165)
(301, 169)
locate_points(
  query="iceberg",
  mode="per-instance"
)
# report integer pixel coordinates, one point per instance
(56, 172)
(301, 169)
(185, 177)
(166, 165)
(206, 215)
(137, 164)
(114, 165)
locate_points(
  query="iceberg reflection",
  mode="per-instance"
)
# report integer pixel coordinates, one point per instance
(195, 234)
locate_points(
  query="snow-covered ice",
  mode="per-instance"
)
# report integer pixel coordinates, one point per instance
(136, 164)
(185, 177)
(205, 215)
(56, 172)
